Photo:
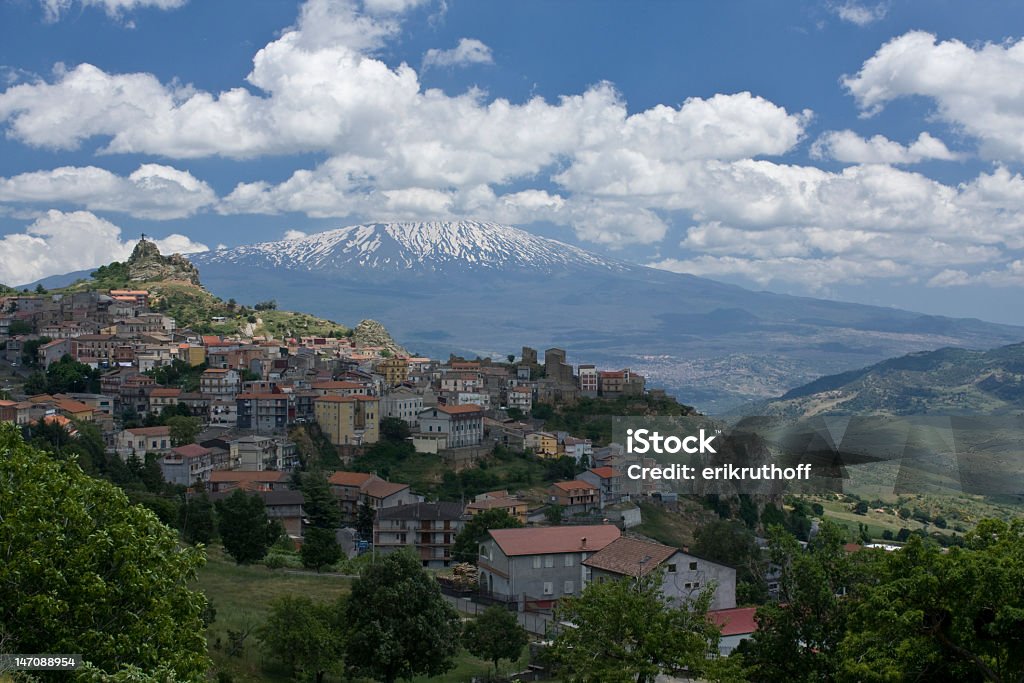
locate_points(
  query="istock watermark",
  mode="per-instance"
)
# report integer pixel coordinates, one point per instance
(978, 455)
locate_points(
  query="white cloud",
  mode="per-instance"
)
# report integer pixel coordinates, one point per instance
(468, 51)
(54, 9)
(847, 146)
(292, 235)
(859, 13)
(151, 191)
(978, 90)
(59, 242)
(392, 6)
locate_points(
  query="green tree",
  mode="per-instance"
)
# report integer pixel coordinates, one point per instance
(467, 543)
(195, 519)
(245, 529)
(30, 351)
(19, 327)
(85, 571)
(184, 430)
(798, 639)
(495, 635)
(365, 516)
(731, 543)
(400, 626)
(307, 636)
(624, 632)
(554, 513)
(320, 506)
(394, 429)
(927, 614)
(319, 548)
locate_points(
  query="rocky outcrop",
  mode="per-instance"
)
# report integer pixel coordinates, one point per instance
(372, 333)
(147, 264)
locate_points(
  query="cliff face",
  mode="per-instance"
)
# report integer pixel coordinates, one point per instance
(146, 264)
(372, 333)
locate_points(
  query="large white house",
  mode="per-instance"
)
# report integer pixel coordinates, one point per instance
(461, 425)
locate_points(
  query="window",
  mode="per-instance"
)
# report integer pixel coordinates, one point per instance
(693, 566)
(549, 560)
(549, 588)
(568, 560)
(672, 568)
(536, 562)
(568, 588)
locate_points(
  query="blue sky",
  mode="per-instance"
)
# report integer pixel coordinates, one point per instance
(867, 151)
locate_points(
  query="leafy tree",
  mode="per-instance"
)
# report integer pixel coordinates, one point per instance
(30, 351)
(307, 636)
(85, 571)
(400, 624)
(245, 529)
(798, 639)
(40, 289)
(554, 514)
(861, 508)
(394, 429)
(624, 632)
(495, 635)
(184, 430)
(195, 519)
(467, 543)
(19, 327)
(320, 506)
(933, 615)
(511, 358)
(543, 411)
(515, 413)
(731, 543)
(319, 548)
(365, 516)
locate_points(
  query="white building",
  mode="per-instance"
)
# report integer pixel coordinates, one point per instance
(461, 425)
(403, 404)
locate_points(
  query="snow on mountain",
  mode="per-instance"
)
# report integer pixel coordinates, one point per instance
(416, 247)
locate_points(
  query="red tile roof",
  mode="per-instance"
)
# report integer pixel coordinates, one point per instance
(631, 557)
(574, 485)
(165, 392)
(378, 488)
(149, 431)
(606, 472)
(192, 450)
(460, 410)
(349, 478)
(344, 399)
(736, 621)
(555, 539)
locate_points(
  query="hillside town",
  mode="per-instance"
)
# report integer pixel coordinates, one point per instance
(252, 405)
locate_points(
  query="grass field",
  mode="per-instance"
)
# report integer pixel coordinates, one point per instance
(242, 595)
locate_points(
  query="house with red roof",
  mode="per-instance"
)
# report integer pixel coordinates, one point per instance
(737, 624)
(461, 425)
(539, 565)
(574, 496)
(608, 481)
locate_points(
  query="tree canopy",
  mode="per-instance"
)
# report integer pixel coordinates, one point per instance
(495, 635)
(245, 529)
(400, 626)
(86, 571)
(307, 636)
(467, 543)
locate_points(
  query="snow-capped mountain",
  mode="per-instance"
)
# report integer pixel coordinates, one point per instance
(416, 247)
(481, 288)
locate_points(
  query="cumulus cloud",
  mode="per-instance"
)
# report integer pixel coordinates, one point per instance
(59, 242)
(979, 90)
(152, 191)
(847, 146)
(54, 9)
(859, 13)
(468, 51)
(292, 235)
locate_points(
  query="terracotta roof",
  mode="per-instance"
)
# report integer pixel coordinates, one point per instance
(215, 371)
(495, 503)
(606, 472)
(460, 410)
(7, 404)
(349, 478)
(165, 392)
(71, 406)
(736, 621)
(379, 488)
(554, 539)
(631, 557)
(192, 450)
(149, 431)
(574, 485)
(344, 399)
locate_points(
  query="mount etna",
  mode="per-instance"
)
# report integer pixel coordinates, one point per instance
(481, 288)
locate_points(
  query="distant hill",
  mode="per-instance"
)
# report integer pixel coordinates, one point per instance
(482, 288)
(948, 381)
(174, 287)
